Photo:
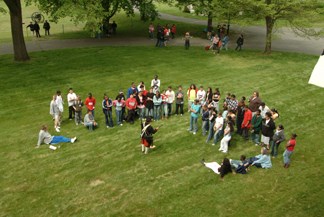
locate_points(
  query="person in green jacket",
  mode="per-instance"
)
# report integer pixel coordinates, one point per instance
(256, 127)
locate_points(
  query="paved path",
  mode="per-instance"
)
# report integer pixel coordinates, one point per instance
(254, 39)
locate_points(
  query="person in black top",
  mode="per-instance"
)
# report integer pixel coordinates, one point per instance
(223, 169)
(239, 42)
(147, 132)
(31, 27)
(36, 28)
(114, 27)
(47, 27)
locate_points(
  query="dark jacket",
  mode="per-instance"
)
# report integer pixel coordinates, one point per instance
(267, 129)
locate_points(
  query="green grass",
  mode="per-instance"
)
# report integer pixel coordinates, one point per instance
(105, 174)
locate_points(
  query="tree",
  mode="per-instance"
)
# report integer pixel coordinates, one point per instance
(19, 46)
(298, 13)
(95, 12)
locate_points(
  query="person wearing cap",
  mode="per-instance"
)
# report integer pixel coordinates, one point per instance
(278, 137)
(290, 146)
(195, 110)
(45, 137)
(147, 132)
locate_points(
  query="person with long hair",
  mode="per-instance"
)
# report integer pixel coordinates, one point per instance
(222, 169)
(227, 135)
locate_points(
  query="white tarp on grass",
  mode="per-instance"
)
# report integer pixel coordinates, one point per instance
(317, 77)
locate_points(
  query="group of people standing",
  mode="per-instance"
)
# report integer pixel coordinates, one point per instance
(163, 33)
(34, 28)
(253, 119)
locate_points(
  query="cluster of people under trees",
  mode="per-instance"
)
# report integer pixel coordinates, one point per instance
(253, 120)
(34, 28)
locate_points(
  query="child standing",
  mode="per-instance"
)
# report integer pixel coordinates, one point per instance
(290, 146)
(187, 40)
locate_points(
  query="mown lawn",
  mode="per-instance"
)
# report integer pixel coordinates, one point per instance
(105, 174)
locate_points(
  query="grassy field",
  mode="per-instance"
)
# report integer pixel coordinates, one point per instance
(105, 174)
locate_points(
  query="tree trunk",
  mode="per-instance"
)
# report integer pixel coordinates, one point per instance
(210, 22)
(269, 25)
(19, 46)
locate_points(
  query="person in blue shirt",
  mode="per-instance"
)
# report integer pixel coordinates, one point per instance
(194, 113)
(262, 160)
(132, 90)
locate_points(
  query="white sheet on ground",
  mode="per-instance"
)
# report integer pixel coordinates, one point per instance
(317, 77)
(213, 166)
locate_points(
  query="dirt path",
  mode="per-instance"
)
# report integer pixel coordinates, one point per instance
(254, 39)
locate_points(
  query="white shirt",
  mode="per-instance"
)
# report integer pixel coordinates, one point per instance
(201, 95)
(171, 96)
(71, 97)
(156, 82)
(264, 111)
(219, 123)
(59, 102)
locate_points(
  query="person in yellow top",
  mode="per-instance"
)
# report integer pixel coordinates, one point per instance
(192, 95)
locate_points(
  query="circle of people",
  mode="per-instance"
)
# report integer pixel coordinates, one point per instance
(254, 120)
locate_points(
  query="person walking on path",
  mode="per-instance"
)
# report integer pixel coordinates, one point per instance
(239, 42)
(36, 28)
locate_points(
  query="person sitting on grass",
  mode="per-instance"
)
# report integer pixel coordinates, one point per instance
(89, 121)
(45, 137)
(222, 169)
(238, 165)
(262, 160)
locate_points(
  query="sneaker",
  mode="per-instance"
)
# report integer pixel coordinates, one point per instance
(256, 144)
(108, 127)
(57, 129)
(77, 124)
(225, 152)
(73, 140)
(120, 124)
(213, 144)
(181, 115)
(194, 133)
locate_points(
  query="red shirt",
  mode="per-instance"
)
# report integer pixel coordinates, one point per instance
(292, 143)
(247, 119)
(131, 103)
(90, 103)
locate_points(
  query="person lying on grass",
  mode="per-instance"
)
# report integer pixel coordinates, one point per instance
(45, 137)
(222, 169)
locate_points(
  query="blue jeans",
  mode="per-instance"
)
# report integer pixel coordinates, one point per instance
(59, 139)
(165, 110)
(218, 135)
(89, 126)
(149, 112)
(156, 112)
(274, 148)
(255, 137)
(193, 124)
(205, 127)
(108, 117)
(210, 131)
(286, 156)
(119, 115)
(141, 112)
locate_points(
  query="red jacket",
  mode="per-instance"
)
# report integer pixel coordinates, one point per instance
(247, 119)
(131, 103)
(90, 103)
